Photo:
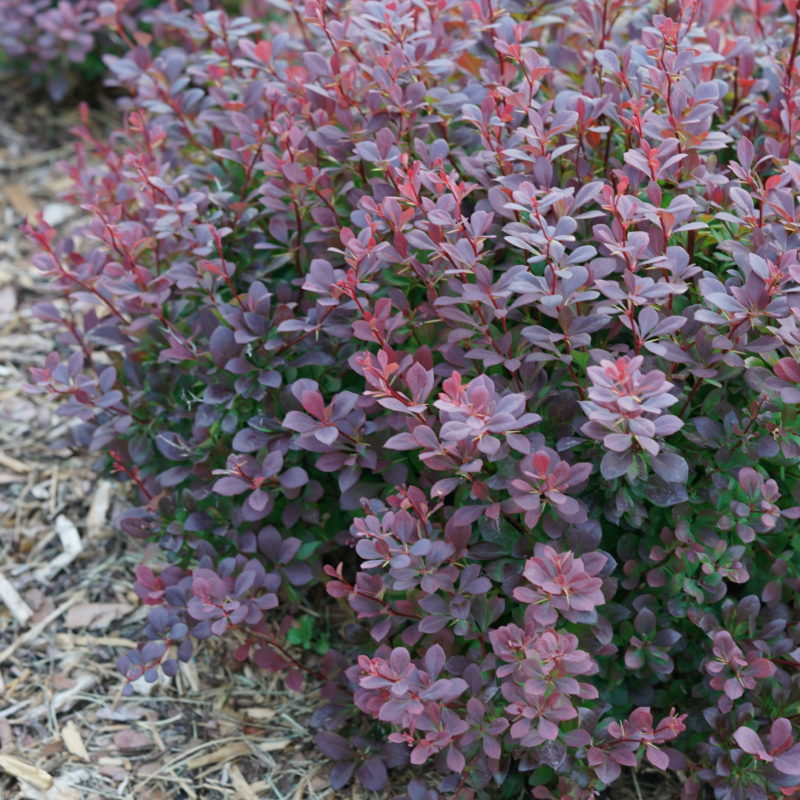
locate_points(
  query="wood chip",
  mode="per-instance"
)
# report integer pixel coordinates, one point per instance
(129, 740)
(223, 754)
(71, 545)
(122, 713)
(260, 714)
(114, 772)
(39, 627)
(38, 778)
(14, 464)
(151, 726)
(188, 669)
(19, 198)
(19, 609)
(240, 784)
(68, 534)
(305, 782)
(98, 511)
(70, 640)
(73, 741)
(273, 744)
(6, 734)
(96, 615)
(65, 699)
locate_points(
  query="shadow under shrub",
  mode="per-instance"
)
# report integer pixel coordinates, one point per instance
(485, 317)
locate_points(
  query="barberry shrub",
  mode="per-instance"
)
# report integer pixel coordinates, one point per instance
(54, 40)
(483, 316)
(59, 44)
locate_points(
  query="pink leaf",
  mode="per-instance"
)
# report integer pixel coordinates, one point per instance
(780, 733)
(750, 742)
(658, 758)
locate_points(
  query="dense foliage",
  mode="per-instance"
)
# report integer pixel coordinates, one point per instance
(484, 316)
(57, 40)
(59, 44)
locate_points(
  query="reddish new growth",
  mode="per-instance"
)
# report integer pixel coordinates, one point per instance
(563, 585)
(625, 411)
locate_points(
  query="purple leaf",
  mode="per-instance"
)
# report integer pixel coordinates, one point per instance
(614, 465)
(789, 762)
(230, 486)
(293, 478)
(372, 773)
(333, 745)
(671, 467)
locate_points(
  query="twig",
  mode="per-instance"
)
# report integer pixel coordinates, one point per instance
(14, 464)
(636, 785)
(19, 609)
(38, 628)
(71, 545)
